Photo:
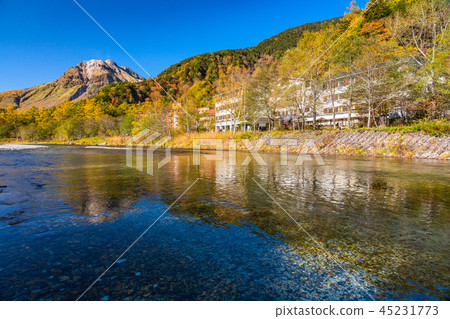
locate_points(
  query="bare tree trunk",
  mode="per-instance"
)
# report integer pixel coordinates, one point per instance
(433, 97)
(187, 124)
(332, 101)
(314, 115)
(303, 121)
(374, 119)
(369, 117)
(334, 110)
(350, 108)
(433, 91)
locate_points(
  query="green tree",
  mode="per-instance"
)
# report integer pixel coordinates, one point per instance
(376, 10)
(71, 129)
(258, 97)
(126, 125)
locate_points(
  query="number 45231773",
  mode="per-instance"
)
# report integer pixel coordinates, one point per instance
(409, 310)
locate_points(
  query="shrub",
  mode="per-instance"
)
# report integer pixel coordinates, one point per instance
(247, 135)
(5, 131)
(27, 133)
(434, 127)
(127, 124)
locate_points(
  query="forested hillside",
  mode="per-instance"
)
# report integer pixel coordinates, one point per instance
(207, 66)
(289, 38)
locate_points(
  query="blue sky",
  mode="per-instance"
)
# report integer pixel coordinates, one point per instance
(39, 40)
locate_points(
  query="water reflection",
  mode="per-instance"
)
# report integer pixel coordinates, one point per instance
(385, 221)
(101, 192)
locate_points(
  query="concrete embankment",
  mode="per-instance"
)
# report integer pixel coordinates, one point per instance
(366, 143)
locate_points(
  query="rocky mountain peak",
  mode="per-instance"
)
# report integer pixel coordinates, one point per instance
(78, 82)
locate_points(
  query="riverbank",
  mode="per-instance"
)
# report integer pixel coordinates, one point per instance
(360, 143)
(334, 142)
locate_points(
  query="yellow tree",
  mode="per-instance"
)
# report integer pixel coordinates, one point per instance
(9, 121)
(65, 110)
(232, 84)
(374, 67)
(423, 29)
(198, 95)
(45, 124)
(92, 110)
(292, 92)
(331, 65)
(312, 52)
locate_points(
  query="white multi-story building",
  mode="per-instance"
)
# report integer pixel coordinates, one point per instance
(230, 109)
(334, 97)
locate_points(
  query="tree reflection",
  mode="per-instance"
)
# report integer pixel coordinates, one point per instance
(384, 220)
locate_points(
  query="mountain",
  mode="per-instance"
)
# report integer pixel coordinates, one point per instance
(77, 83)
(288, 39)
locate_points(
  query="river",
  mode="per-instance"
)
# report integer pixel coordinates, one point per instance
(352, 229)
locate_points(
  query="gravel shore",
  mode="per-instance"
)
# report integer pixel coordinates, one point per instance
(19, 147)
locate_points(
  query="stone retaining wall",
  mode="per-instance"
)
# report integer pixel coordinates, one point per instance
(368, 143)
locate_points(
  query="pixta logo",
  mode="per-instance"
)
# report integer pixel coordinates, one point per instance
(145, 143)
(307, 151)
(141, 140)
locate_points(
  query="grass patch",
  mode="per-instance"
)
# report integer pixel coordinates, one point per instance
(439, 127)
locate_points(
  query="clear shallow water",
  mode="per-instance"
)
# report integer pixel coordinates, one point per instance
(67, 213)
